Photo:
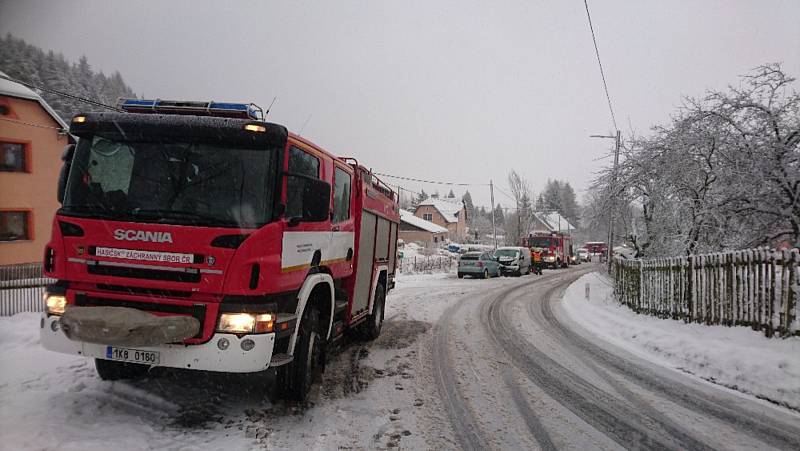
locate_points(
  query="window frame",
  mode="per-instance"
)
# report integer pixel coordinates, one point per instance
(28, 215)
(27, 166)
(427, 217)
(289, 174)
(334, 220)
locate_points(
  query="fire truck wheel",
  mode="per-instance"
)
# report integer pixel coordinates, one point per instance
(305, 368)
(109, 370)
(371, 328)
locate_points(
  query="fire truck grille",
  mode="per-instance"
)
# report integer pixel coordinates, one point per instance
(154, 292)
(143, 273)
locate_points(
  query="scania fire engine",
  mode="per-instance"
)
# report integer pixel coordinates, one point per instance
(197, 235)
(555, 247)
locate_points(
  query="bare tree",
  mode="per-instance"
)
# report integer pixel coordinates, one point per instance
(725, 173)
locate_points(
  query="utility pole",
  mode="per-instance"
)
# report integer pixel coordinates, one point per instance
(610, 246)
(494, 227)
(613, 203)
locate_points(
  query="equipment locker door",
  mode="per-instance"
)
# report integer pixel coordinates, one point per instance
(366, 257)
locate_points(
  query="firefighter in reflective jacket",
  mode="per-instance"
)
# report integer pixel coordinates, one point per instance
(536, 259)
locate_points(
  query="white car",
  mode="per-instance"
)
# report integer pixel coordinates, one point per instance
(514, 260)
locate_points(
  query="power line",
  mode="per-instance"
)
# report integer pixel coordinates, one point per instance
(432, 182)
(31, 124)
(505, 193)
(60, 93)
(602, 74)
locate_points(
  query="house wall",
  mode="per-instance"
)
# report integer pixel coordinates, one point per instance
(457, 230)
(428, 239)
(33, 191)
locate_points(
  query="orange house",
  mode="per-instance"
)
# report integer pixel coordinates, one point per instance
(450, 214)
(32, 137)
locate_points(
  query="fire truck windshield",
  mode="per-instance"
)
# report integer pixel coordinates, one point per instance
(172, 182)
(541, 241)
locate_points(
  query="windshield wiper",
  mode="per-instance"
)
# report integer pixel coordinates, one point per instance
(179, 214)
(86, 211)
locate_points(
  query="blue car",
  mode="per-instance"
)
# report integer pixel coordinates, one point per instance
(478, 264)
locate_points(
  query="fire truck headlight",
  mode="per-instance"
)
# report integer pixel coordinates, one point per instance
(246, 323)
(55, 304)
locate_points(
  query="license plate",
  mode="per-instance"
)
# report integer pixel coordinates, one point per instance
(132, 355)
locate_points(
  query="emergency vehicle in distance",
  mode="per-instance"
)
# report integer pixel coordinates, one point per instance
(197, 235)
(596, 248)
(554, 247)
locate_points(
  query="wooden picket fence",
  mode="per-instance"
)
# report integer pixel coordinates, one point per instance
(755, 287)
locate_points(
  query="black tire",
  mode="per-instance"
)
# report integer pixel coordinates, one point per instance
(485, 274)
(297, 377)
(371, 328)
(110, 370)
(460, 275)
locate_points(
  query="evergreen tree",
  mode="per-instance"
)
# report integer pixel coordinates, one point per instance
(421, 197)
(499, 216)
(451, 195)
(541, 205)
(31, 64)
(469, 206)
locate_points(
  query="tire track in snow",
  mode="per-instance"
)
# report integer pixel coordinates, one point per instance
(778, 435)
(465, 425)
(603, 411)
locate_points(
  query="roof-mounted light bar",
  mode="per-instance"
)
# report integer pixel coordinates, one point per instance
(221, 109)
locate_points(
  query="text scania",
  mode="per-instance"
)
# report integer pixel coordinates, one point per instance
(141, 235)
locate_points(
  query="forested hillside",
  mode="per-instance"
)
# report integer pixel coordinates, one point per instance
(31, 64)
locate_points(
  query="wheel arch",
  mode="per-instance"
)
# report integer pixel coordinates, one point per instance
(382, 275)
(317, 292)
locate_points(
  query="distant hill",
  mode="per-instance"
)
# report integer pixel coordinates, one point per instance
(31, 64)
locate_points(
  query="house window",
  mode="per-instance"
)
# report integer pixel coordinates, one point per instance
(302, 166)
(427, 216)
(14, 226)
(12, 157)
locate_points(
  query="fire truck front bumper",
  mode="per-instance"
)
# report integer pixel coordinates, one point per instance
(228, 353)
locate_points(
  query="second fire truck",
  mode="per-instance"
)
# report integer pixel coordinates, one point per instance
(554, 247)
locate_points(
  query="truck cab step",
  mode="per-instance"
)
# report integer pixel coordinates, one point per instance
(280, 360)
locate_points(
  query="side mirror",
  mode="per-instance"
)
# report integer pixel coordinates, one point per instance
(316, 200)
(66, 157)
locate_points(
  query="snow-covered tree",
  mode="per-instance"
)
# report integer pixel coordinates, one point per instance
(725, 173)
(51, 70)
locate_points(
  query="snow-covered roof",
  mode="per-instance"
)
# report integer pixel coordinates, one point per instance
(554, 222)
(409, 218)
(448, 208)
(13, 89)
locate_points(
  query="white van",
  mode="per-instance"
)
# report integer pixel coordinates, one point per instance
(514, 260)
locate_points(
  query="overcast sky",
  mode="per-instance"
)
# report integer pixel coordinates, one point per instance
(458, 91)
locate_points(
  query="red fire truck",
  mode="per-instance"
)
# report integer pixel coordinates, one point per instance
(555, 247)
(596, 248)
(197, 235)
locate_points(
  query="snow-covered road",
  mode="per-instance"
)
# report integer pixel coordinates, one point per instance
(461, 364)
(516, 373)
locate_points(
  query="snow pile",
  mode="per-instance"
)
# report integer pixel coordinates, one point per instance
(419, 260)
(370, 399)
(735, 357)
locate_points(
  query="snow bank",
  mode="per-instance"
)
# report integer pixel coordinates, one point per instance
(736, 357)
(371, 397)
